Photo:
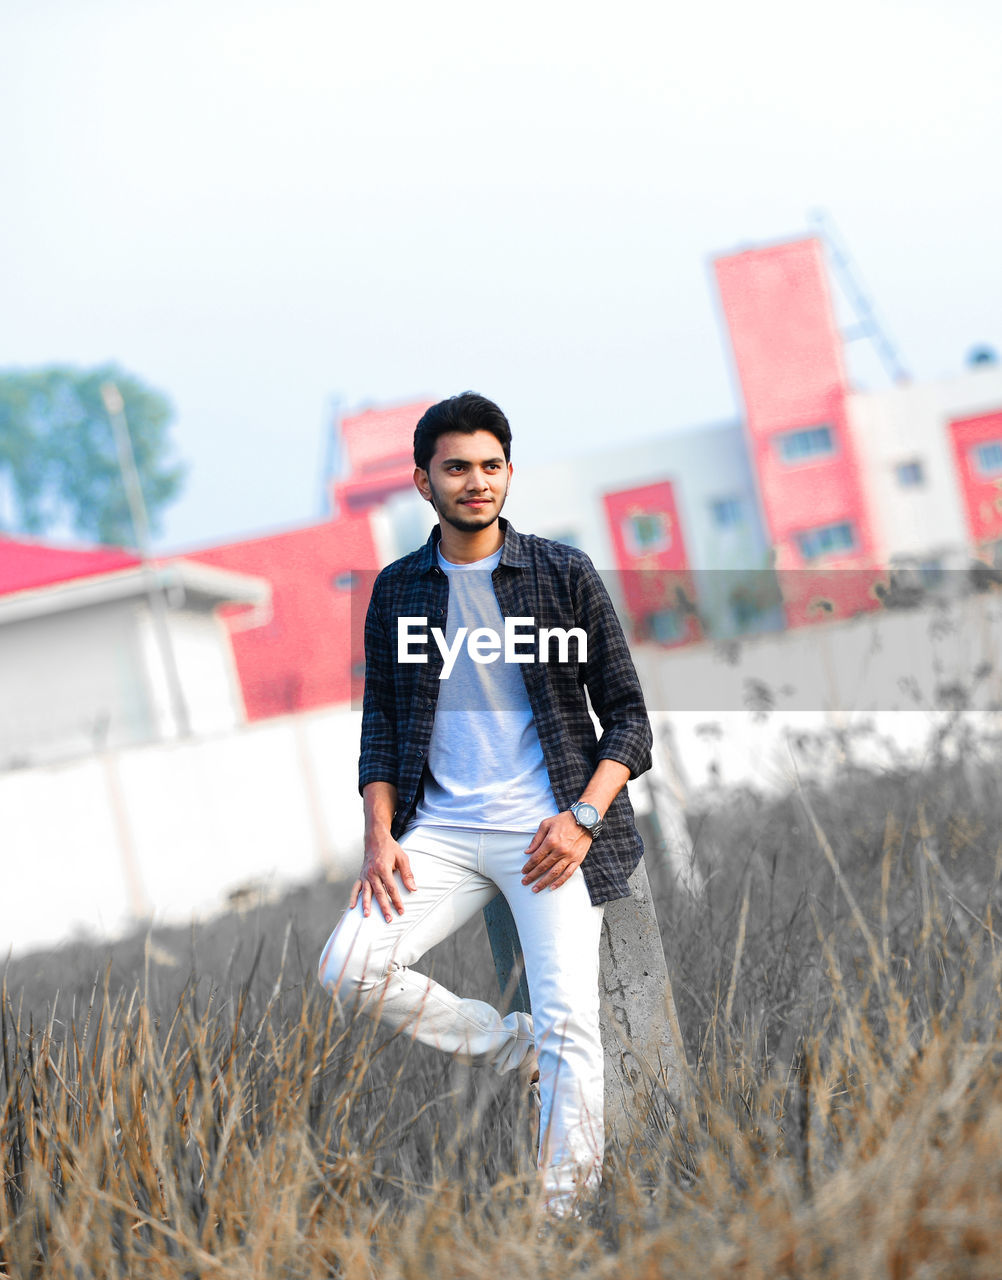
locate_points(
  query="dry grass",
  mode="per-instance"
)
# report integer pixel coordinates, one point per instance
(201, 1109)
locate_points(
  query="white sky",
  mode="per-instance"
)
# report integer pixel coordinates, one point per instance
(256, 207)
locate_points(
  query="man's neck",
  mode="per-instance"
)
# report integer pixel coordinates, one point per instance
(459, 547)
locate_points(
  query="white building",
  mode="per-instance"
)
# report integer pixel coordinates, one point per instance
(84, 664)
(909, 464)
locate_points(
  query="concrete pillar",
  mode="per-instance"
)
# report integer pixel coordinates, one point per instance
(644, 1056)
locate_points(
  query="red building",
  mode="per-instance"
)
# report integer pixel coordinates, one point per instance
(378, 448)
(977, 449)
(308, 651)
(650, 553)
(789, 358)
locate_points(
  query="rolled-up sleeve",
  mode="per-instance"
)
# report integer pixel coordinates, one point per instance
(613, 684)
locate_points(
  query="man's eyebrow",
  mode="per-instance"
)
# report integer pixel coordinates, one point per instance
(451, 462)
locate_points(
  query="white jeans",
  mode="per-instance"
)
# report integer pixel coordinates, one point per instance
(458, 870)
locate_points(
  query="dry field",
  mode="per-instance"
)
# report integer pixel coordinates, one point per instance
(192, 1104)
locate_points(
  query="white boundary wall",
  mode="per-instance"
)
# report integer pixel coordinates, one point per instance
(771, 708)
(169, 830)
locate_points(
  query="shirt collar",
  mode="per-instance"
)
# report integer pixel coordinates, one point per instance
(512, 550)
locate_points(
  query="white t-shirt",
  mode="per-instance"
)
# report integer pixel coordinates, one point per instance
(485, 764)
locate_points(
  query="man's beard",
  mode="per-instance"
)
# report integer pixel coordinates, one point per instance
(471, 523)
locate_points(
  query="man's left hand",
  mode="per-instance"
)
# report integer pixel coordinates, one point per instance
(556, 851)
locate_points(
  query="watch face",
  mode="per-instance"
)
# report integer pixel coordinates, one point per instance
(586, 814)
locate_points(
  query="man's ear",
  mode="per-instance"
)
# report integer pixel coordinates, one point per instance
(421, 483)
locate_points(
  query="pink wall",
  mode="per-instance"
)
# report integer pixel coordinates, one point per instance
(651, 579)
(304, 656)
(789, 358)
(376, 438)
(378, 449)
(982, 494)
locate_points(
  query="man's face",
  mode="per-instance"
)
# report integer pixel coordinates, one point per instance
(467, 480)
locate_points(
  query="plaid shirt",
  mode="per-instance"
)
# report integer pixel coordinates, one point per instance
(558, 586)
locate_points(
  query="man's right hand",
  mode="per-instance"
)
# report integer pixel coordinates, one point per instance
(383, 857)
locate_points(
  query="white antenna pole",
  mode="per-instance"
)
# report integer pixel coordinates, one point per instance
(155, 587)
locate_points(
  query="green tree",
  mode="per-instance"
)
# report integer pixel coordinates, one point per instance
(58, 466)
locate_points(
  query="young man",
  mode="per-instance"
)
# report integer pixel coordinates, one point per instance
(481, 771)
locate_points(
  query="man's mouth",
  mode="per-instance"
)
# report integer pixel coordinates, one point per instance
(474, 502)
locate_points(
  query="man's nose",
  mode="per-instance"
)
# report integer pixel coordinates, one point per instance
(476, 480)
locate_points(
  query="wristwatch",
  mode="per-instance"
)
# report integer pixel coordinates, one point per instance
(586, 815)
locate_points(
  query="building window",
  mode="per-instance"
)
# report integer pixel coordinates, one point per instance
(910, 474)
(826, 540)
(648, 533)
(805, 444)
(666, 626)
(988, 458)
(727, 513)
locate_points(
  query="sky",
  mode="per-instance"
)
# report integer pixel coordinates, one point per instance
(268, 211)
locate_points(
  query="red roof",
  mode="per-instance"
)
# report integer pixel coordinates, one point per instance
(309, 653)
(378, 438)
(25, 564)
(364, 492)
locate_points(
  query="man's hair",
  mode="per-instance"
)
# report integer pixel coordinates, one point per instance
(467, 413)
